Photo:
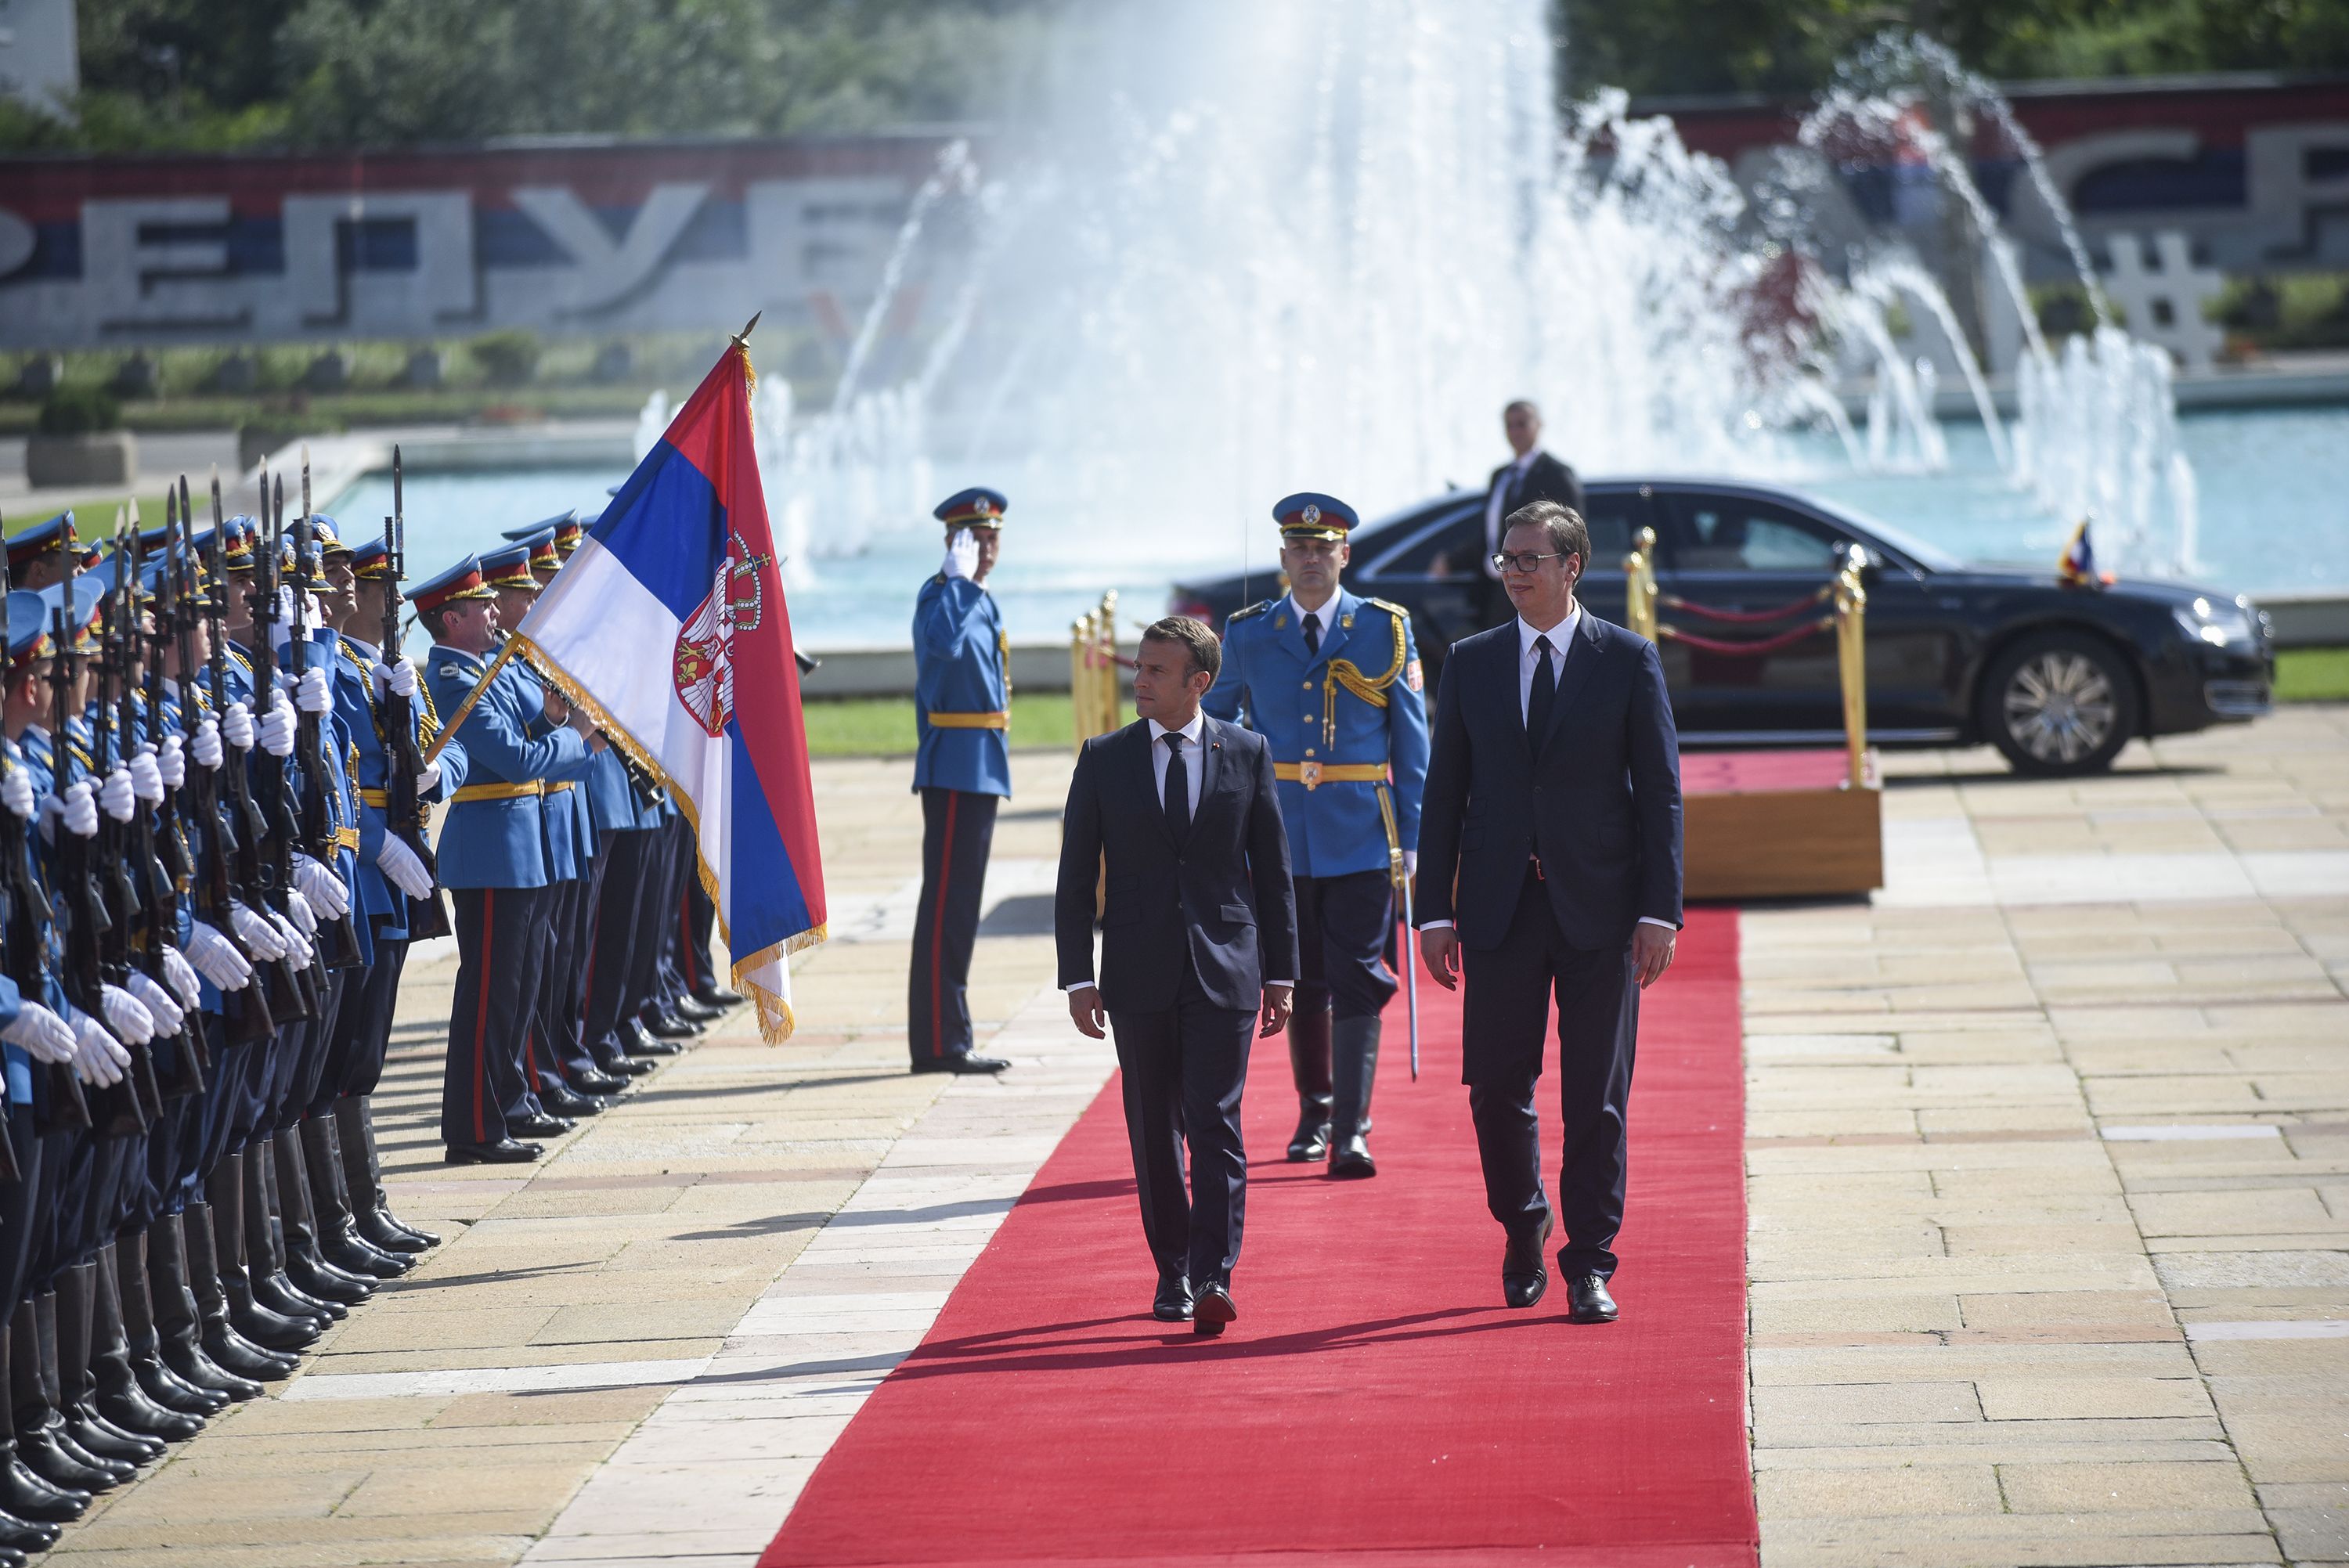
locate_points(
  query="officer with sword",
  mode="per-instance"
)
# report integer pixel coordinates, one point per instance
(1332, 680)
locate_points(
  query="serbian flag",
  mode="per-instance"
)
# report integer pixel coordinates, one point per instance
(667, 625)
(2077, 569)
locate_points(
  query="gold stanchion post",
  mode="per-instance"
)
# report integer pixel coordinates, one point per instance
(1851, 659)
(1639, 586)
(1080, 672)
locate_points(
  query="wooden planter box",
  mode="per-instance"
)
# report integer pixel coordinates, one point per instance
(107, 460)
(1780, 824)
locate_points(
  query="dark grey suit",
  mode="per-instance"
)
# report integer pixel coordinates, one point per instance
(1189, 931)
(1559, 843)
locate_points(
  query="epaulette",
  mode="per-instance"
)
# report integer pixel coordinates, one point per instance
(1258, 608)
(1390, 606)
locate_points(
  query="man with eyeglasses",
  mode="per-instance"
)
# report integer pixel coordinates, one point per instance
(1553, 807)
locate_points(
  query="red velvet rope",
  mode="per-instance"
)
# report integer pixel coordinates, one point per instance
(1748, 618)
(1785, 639)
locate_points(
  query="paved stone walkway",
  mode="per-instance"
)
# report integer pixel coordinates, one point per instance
(2047, 1146)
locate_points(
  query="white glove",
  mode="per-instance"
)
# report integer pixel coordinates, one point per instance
(429, 780)
(236, 727)
(181, 977)
(126, 1015)
(301, 914)
(76, 807)
(216, 956)
(171, 762)
(297, 944)
(401, 866)
(1410, 864)
(17, 791)
(397, 677)
(258, 934)
(167, 1012)
(146, 777)
(320, 888)
(39, 1033)
(205, 745)
(117, 798)
(276, 726)
(310, 693)
(98, 1057)
(962, 554)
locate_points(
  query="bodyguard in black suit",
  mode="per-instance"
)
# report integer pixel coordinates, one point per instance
(1553, 807)
(1530, 475)
(1196, 913)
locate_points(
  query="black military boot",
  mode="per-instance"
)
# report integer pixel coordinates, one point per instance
(339, 1241)
(1354, 1064)
(1308, 1065)
(77, 1381)
(41, 1435)
(267, 1228)
(173, 1412)
(222, 1345)
(363, 1170)
(24, 1496)
(177, 1317)
(35, 1444)
(305, 1262)
(242, 1257)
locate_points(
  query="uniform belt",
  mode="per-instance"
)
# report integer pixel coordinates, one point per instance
(348, 838)
(379, 798)
(559, 787)
(1313, 775)
(970, 720)
(498, 791)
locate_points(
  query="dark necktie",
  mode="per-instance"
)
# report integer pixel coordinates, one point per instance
(1313, 636)
(1544, 695)
(1178, 789)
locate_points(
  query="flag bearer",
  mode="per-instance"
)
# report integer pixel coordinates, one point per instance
(962, 714)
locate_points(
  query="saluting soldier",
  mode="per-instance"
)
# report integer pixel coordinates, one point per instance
(1332, 680)
(493, 854)
(962, 714)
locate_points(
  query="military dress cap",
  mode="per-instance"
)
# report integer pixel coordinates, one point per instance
(28, 628)
(327, 534)
(529, 531)
(509, 569)
(371, 562)
(462, 581)
(977, 507)
(237, 538)
(543, 555)
(26, 543)
(81, 612)
(1308, 514)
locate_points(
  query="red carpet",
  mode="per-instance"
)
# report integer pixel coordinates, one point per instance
(1737, 772)
(1374, 1402)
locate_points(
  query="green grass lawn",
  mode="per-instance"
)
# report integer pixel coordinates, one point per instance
(883, 725)
(94, 518)
(2312, 675)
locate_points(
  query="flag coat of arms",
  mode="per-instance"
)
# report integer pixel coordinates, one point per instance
(667, 625)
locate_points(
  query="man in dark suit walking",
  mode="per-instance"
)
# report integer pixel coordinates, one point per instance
(1553, 806)
(1196, 916)
(1530, 475)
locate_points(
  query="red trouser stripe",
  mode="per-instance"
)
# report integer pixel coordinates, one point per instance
(938, 927)
(685, 937)
(481, 1019)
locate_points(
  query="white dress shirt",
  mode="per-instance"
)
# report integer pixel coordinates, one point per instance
(1194, 773)
(1561, 638)
(1320, 618)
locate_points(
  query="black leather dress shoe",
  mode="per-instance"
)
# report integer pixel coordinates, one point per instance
(639, 1041)
(699, 1012)
(1524, 1275)
(541, 1125)
(960, 1062)
(1587, 1300)
(628, 1069)
(1349, 1158)
(718, 996)
(562, 1101)
(1212, 1308)
(669, 1026)
(1312, 1140)
(1173, 1303)
(504, 1151)
(601, 1084)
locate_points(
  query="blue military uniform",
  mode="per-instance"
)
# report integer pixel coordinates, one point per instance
(492, 853)
(962, 768)
(1338, 692)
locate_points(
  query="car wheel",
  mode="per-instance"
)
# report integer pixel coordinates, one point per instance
(2059, 704)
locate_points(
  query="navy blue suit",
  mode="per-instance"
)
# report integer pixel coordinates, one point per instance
(1559, 844)
(1190, 931)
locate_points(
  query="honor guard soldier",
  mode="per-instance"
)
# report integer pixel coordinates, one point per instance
(1333, 681)
(493, 861)
(43, 554)
(962, 714)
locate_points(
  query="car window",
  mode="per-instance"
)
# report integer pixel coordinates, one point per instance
(1447, 547)
(1614, 517)
(1731, 533)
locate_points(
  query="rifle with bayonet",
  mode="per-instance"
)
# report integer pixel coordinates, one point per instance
(129, 929)
(116, 1108)
(338, 938)
(403, 811)
(159, 858)
(272, 789)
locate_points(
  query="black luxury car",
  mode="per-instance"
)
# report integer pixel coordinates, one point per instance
(2058, 678)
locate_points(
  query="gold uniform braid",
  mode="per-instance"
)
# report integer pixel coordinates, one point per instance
(1371, 689)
